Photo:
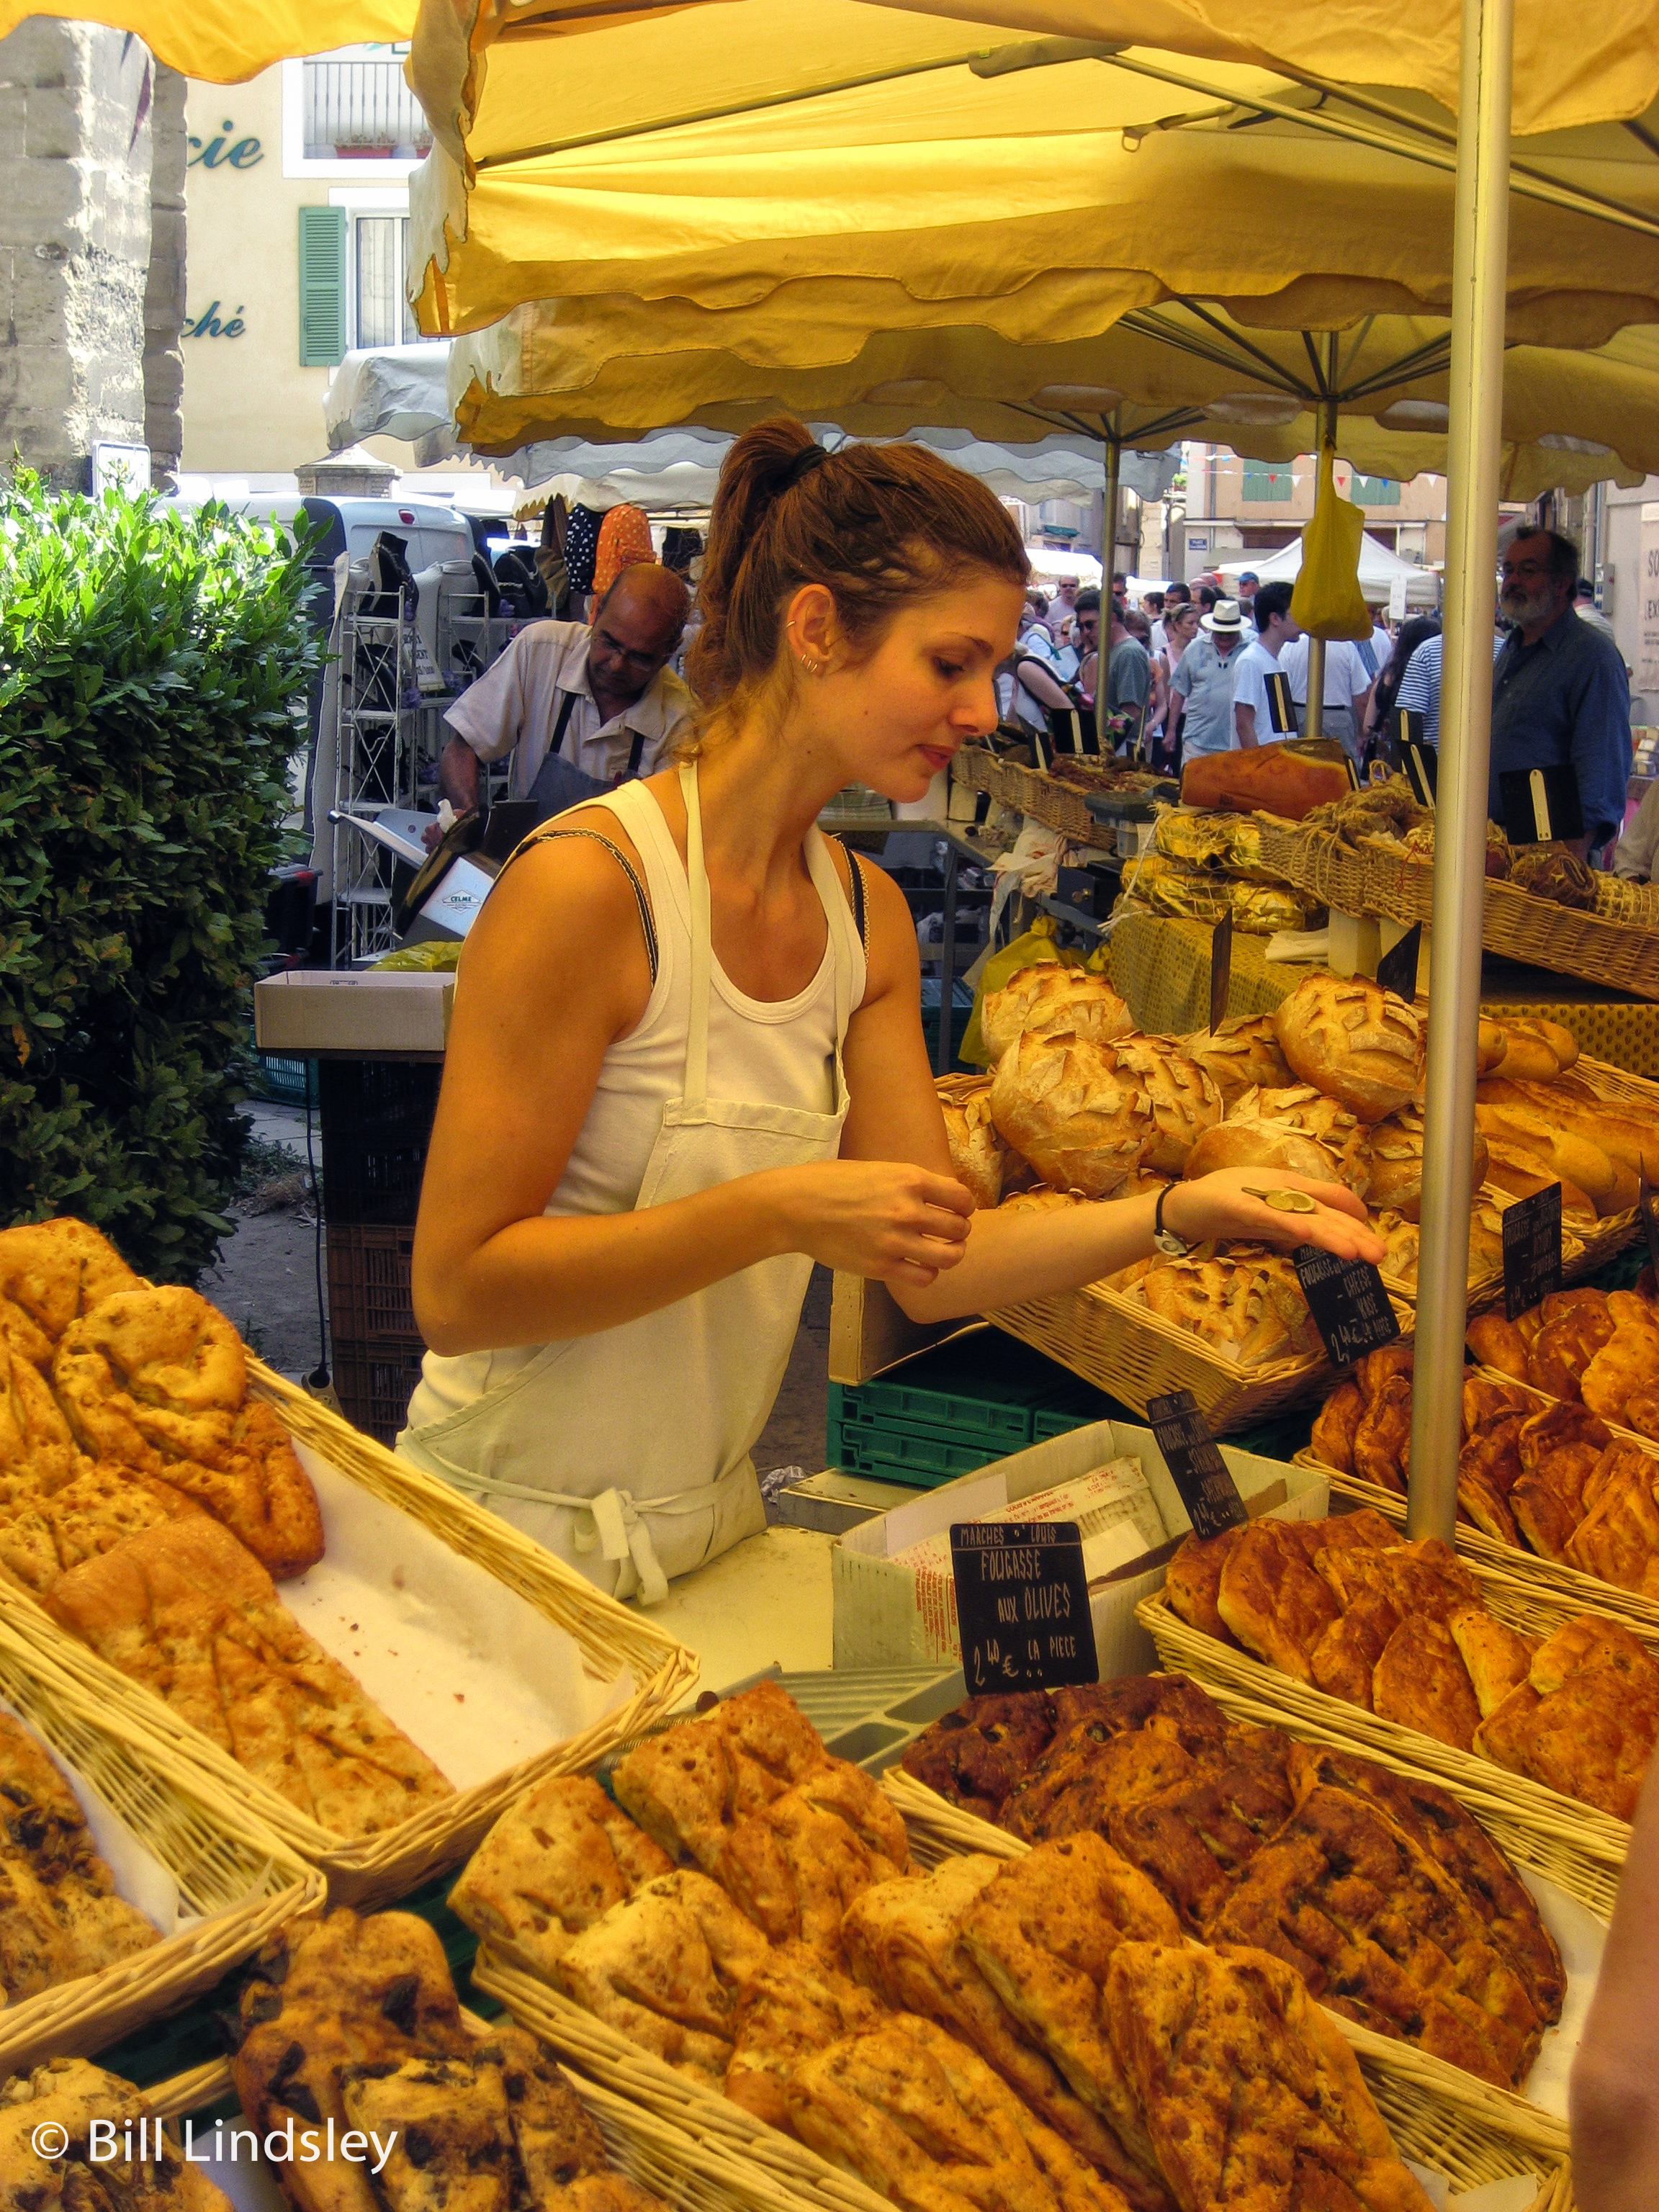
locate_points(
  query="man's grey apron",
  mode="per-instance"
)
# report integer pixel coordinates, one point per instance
(560, 784)
(627, 1452)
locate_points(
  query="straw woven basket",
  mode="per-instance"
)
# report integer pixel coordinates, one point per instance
(689, 2176)
(939, 1830)
(238, 1878)
(1580, 1848)
(1137, 1355)
(1437, 2115)
(373, 1869)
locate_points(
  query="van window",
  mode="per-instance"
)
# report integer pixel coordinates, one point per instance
(427, 545)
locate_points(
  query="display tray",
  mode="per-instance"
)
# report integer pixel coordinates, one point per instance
(184, 1852)
(1045, 799)
(446, 1614)
(1371, 879)
(1575, 1845)
(688, 2175)
(1455, 2126)
(939, 1830)
(1136, 1356)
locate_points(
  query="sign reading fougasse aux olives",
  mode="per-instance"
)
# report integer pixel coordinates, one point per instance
(1022, 1605)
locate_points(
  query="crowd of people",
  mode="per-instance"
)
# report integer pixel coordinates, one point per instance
(1193, 670)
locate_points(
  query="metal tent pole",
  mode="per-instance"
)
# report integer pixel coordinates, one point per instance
(1316, 723)
(1114, 445)
(1481, 252)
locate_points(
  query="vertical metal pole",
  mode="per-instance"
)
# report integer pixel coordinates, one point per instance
(1107, 561)
(1315, 721)
(1480, 258)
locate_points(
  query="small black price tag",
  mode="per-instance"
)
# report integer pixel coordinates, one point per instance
(1532, 1250)
(1282, 707)
(1420, 759)
(1348, 1303)
(1396, 970)
(1022, 1605)
(1649, 1208)
(1542, 805)
(1196, 1467)
(1221, 971)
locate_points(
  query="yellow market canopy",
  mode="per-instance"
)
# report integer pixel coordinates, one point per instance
(613, 369)
(720, 154)
(226, 42)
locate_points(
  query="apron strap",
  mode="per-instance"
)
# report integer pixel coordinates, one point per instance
(702, 944)
(567, 709)
(843, 937)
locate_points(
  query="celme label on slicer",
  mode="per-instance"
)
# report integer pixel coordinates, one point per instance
(1348, 1303)
(1532, 1250)
(1196, 1467)
(1022, 1605)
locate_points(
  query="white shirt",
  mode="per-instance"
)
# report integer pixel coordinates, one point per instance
(1160, 636)
(1036, 644)
(514, 706)
(1346, 676)
(1252, 666)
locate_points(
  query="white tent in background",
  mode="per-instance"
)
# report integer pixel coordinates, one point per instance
(1378, 568)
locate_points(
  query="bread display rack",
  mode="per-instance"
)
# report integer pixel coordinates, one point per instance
(366, 1870)
(1369, 880)
(1469, 2132)
(1046, 799)
(1576, 1845)
(237, 1882)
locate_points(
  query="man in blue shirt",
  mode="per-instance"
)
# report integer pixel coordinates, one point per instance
(1560, 695)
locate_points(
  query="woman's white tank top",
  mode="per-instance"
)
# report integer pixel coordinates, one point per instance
(781, 1051)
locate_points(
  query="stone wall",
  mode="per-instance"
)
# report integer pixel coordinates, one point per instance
(164, 292)
(76, 103)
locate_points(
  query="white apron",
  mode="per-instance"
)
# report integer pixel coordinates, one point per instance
(627, 1452)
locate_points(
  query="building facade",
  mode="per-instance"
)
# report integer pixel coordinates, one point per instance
(297, 208)
(1236, 506)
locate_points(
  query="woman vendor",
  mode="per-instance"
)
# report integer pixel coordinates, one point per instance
(687, 1059)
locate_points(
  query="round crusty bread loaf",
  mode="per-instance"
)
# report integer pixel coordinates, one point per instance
(1327, 1121)
(1048, 999)
(1186, 1100)
(1064, 1103)
(1354, 1041)
(1396, 1153)
(1261, 1145)
(1241, 1053)
(977, 1154)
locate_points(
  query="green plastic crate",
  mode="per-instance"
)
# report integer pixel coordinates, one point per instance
(984, 1384)
(912, 1456)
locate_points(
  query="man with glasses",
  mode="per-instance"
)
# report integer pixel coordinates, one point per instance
(1560, 695)
(579, 708)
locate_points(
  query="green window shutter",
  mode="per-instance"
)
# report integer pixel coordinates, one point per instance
(322, 287)
(1266, 480)
(1376, 491)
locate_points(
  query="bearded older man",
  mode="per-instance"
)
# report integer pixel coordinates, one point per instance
(1560, 695)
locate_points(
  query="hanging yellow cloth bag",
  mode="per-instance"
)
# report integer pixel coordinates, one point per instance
(1328, 601)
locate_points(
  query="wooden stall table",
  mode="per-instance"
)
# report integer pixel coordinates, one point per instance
(1161, 966)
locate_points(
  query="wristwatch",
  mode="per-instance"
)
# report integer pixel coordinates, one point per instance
(1167, 1240)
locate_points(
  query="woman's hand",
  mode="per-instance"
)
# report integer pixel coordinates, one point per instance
(884, 1219)
(1219, 1205)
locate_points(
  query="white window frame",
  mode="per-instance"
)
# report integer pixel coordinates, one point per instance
(364, 200)
(295, 163)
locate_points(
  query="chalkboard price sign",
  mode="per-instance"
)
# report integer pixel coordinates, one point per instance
(1196, 1467)
(1396, 970)
(1532, 1250)
(1022, 1605)
(1221, 971)
(1649, 1209)
(1350, 1307)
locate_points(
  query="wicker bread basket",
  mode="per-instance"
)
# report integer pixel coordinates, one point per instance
(1577, 1846)
(939, 1830)
(236, 1880)
(1136, 1356)
(1437, 2116)
(366, 1870)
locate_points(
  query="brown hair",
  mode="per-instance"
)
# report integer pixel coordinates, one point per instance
(879, 526)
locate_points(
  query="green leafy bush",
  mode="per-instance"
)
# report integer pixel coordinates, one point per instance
(152, 663)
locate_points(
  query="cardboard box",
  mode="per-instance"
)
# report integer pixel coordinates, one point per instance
(879, 1621)
(870, 1330)
(353, 1010)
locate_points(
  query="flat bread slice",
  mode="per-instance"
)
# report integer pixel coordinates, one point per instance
(1421, 1682)
(795, 2002)
(447, 2125)
(1272, 1599)
(69, 2094)
(555, 1862)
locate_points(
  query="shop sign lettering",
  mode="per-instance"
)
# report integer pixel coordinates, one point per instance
(208, 324)
(221, 153)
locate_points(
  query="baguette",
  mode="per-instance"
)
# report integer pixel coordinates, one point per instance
(1567, 1155)
(1621, 1136)
(1511, 1168)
